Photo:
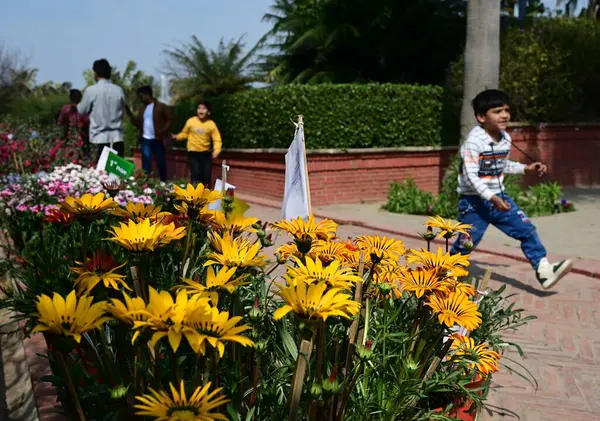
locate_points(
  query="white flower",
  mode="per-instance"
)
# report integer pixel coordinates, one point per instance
(147, 190)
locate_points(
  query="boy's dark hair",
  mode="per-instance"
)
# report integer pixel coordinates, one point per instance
(73, 93)
(207, 104)
(489, 99)
(144, 90)
(102, 68)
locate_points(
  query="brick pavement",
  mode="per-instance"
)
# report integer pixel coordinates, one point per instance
(562, 347)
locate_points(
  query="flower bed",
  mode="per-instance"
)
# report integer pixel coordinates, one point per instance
(172, 312)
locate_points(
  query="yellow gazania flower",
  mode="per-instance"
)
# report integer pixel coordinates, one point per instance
(236, 253)
(207, 324)
(328, 251)
(144, 236)
(481, 357)
(455, 309)
(442, 262)
(100, 268)
(316, 301)
(171, 233)
(216, 241)
(87, 205)
(298, 228)
(166, 317)
(421, 282)
(129, 311)
(196, 197)
(139, 211)
(235, 224)
(448, 227)
(382, 247)
(177, 407)
(451, 285)
(69, 317)
(313, 272)
(205, 216)
(386, 278)
(214, 283)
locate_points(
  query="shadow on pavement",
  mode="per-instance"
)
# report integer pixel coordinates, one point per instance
(478, 270)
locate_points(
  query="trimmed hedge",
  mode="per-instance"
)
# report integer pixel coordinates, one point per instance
(335, 116)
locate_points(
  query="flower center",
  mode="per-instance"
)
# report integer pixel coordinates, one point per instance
(183, 413)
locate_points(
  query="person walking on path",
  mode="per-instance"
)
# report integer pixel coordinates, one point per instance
(69, 118)
(485, 160)
(154, 120)
(203, 144)
(104, 102)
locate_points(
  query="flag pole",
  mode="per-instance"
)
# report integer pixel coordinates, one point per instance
(301, 124)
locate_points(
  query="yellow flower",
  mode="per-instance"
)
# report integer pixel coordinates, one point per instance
(144, 236)
(139, 211)
(234, 224)
(386, 277)
(456, 309)
(100, 268)
(177, 407)
(216, 241)
(323, 230)
(166, 317)
(448, 227)
(328, 251)
(451, 285)
(129, 311)
(70, 317)
(207, 324)
(421, 282)
(480, 357)
(87, 205)
(313, 272)
(316, 301)
(442, 262)
(381, 247)
(223, 280)
(235, 253)
(196, 197)
(205, 216)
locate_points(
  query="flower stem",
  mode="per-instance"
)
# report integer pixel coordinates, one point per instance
(188, 242)
(85, 236)
(70, 386)
(106, 358)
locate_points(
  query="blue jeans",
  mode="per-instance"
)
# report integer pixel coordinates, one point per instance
(480, 213)
(154, 147)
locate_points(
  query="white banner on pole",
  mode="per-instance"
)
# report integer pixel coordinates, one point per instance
(295, 199)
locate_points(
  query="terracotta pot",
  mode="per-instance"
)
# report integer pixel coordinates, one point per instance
(462, 408)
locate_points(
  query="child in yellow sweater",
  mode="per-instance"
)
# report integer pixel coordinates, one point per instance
(203, 144)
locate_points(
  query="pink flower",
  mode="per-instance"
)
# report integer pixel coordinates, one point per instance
(22, 207)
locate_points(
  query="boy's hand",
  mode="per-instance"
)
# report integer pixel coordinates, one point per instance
(536, 167)
(500, 204)
(215, 154)
(173, 136)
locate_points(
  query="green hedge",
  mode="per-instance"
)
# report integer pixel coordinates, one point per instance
(335, 116)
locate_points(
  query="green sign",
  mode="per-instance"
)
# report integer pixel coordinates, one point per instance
(118, 166)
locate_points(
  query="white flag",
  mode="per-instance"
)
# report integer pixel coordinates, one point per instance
(219, 187)
(295, 198)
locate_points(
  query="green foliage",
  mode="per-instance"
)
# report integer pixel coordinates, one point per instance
(41, 110)
(538, 200)
(334, 41)
(335, 116)
(199, 72)
(550, 69)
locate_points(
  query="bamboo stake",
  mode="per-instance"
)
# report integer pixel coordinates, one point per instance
(304, 354)
(353, 333)
(486, 279)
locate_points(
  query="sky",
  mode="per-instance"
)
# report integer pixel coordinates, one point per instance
(62, 38)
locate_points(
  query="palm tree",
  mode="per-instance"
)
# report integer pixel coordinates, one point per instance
(482, 55)
(198, 72)
(592, 9)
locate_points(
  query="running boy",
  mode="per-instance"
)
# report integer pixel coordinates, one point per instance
(480, 185)
(203, 144)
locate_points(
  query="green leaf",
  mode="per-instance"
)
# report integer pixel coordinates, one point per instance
(288, 342)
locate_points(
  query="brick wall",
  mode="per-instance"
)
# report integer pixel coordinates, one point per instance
(365, 174)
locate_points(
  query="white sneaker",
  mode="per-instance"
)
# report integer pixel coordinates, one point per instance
(550, 273)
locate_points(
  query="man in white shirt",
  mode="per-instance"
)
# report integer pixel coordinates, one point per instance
(104, 102)
(154, 121)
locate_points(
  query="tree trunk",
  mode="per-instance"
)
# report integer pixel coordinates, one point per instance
(482, 55)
